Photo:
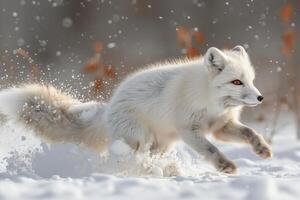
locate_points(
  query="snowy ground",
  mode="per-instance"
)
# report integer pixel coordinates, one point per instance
(31, 170)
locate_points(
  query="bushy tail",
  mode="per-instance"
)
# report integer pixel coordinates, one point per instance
(55, 116)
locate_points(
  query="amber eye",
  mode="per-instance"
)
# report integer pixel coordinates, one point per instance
(237, 82)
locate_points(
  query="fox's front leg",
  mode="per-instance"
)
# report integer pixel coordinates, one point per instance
(209, 151)
(237, 132)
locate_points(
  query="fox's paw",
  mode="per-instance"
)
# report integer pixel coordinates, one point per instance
(263, 150)
(226, 166)
(172, 170)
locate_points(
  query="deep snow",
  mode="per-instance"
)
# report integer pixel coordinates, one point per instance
(30, 169)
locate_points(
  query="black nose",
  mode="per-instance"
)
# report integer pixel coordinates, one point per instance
(260, 98)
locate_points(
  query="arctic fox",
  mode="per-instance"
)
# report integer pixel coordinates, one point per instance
(152, 108)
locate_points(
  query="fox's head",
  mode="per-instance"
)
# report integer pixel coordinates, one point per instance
(232, 77)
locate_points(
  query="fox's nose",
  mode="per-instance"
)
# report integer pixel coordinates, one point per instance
(260, 98)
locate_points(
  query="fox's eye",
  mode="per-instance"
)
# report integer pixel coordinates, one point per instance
(237, 82)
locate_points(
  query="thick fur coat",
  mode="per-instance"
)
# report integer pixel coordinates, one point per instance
(152, 108)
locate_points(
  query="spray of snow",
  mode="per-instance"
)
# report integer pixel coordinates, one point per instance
(30, 169)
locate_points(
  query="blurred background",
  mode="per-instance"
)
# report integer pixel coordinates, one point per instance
(87, 46)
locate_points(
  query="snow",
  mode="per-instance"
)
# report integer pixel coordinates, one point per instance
(30, 169)
(67, 22)
(111, 45)
(15, 14)
(120, 148)
(58, 53)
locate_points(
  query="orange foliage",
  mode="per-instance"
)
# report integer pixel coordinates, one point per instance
(90, 67)
(192, 52)
(185, 39)
(182, 35)
(34, 70)
(98, 47)
(95, 66)
(109, 71)
(286, 12)
(98, 85)
(288, 39)
(199, 37)
(25, 55)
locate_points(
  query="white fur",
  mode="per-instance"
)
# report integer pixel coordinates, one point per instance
(150, 110)
(55, 116)
(155, 104)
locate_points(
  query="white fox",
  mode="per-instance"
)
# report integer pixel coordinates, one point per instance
(153, 108)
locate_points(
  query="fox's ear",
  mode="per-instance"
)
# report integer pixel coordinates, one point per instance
(239, 49)
(215, 59)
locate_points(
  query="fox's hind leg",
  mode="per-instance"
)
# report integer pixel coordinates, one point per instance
(209, 151)
(124, 125)
(237, 132)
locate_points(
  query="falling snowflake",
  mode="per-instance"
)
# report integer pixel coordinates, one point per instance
(67, 22)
